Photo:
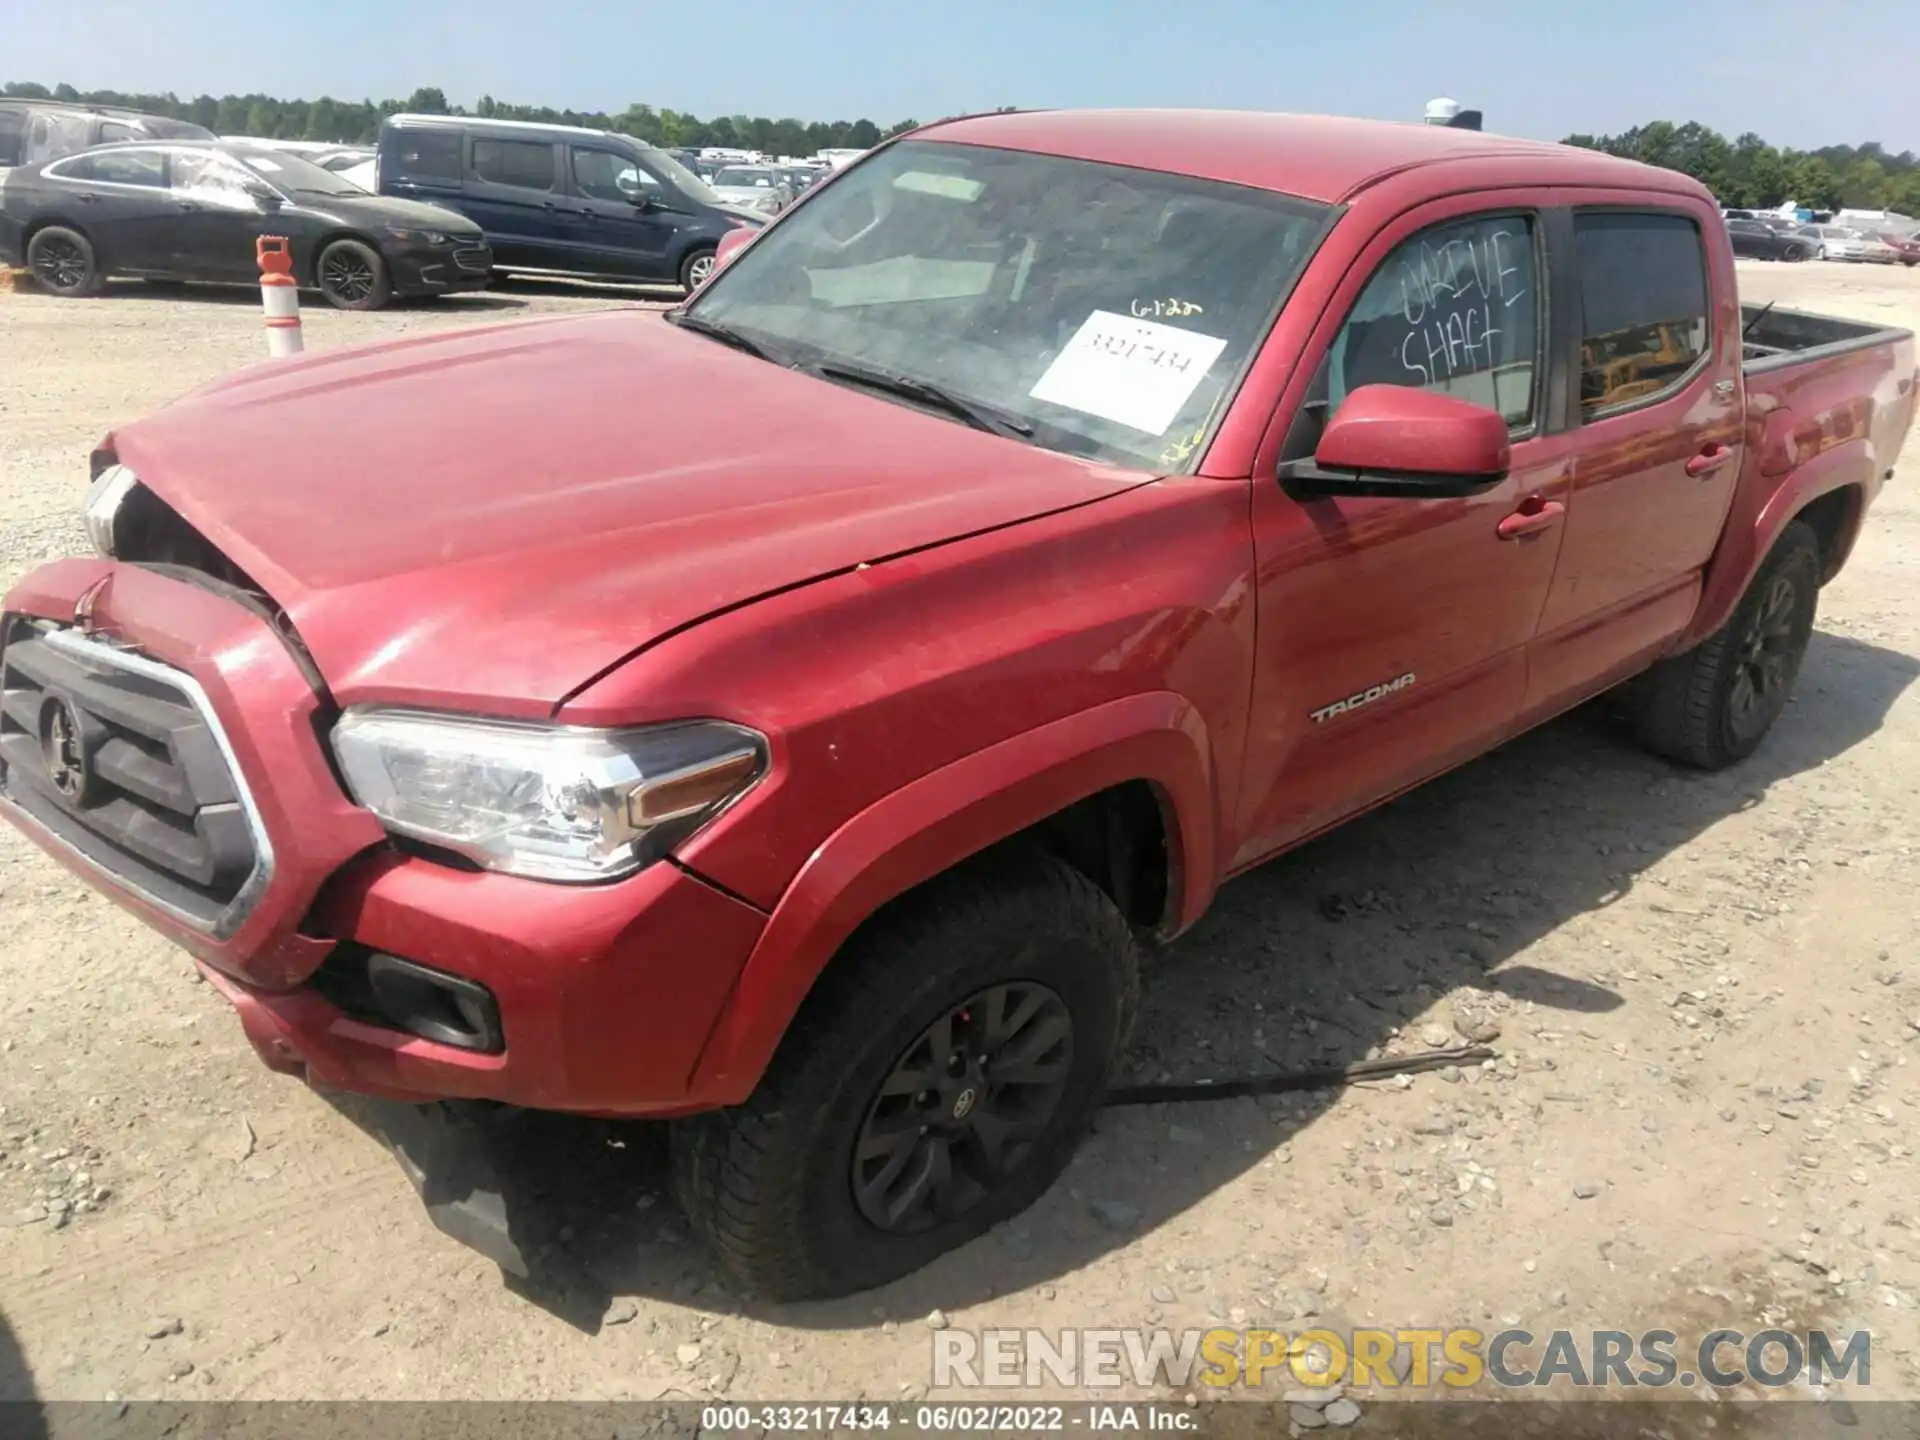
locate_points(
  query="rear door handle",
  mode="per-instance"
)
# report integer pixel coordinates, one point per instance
(1709, 460)
(1531, 520)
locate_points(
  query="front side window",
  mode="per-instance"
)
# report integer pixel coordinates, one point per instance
(112, 130)
(1643, 297)
(604, 175)
(145, 168)
(524, 164)
(1109, 311)
(209, 177)
(1455, 309)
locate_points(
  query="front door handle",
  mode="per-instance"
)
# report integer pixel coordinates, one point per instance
(1709, 460)
(1531, 519)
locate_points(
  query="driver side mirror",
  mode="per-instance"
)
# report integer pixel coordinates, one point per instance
(1392, 440)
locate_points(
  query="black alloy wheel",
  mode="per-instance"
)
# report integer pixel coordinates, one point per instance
(962, 1107)
(62, 261)
(352, 276)
(1767, 660)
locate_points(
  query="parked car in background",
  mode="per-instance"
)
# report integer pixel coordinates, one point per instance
(35, 131)
(754, 187)
(192, 210)
(561, 200)
(1906, 248)
(1842, 242)
(1764, 242)
(786, 715)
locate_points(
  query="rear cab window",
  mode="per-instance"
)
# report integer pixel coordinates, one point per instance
(1646, 325)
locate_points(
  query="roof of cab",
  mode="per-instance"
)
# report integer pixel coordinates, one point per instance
(1317, 157)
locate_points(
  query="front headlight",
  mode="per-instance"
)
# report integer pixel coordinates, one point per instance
(546, 801)
(417, 237)
(105, 496)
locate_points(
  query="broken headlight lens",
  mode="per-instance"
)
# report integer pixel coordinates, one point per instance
(546, 801)
(105, 496)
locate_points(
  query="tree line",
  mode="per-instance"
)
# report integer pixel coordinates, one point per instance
(1747, 172)
(358, 121)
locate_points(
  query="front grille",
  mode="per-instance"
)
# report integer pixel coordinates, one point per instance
(121, 758)
(473, 257)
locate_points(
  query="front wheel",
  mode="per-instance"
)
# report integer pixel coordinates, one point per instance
(1794, 253)
(934, 1084)
(353, 276)
(1712, 706)
(696, 269)
(62, 260)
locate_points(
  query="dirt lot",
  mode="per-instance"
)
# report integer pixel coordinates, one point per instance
(1703, 1113)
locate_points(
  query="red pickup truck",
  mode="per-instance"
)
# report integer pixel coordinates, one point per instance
(789, 715)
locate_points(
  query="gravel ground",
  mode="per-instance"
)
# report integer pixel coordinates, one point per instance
(1705, 991)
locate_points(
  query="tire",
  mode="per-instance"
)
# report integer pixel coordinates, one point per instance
(776, 1186)
(695, 269)
(1712, 706)
(352, 276)
(1793, 254)
(63, 262)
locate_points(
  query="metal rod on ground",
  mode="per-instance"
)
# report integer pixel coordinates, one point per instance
(1296, 1079)
(279, 296)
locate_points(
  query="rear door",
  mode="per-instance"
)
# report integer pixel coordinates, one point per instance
(513, 191)
(1393, 632)
(118, 199)
(1660, 439)
(616, 208)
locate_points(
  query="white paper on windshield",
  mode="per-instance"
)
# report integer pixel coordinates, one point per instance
(1133, 372)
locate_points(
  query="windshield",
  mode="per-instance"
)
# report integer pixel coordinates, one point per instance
(681, 178)
(740, 176)
(1110, 309)
(289, 172)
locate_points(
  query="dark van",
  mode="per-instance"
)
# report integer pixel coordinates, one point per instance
(560, 200)
(35, 131)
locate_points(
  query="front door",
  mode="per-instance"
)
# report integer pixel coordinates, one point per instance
(1392, 633)
(621, 225)
(1660, 444)
(216, 218)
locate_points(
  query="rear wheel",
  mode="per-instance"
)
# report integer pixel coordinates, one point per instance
(1712, 706)
(1794, 252)
(695, 269)
(62, 260)
(934, 1084)
(353, 276)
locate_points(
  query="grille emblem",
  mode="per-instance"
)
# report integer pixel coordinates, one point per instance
(63, 750)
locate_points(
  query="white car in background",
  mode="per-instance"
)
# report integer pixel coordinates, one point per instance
(759, 187)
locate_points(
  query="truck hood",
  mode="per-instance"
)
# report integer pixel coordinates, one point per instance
(490, 518)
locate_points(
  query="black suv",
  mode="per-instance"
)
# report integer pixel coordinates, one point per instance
(559, 200)
(35, 131)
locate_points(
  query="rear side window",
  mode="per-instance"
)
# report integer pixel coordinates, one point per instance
(13, 134)
(428, 155)
(1643, 296)
(112, 130)
(116, 167)
(1454, 309)
(522, 163)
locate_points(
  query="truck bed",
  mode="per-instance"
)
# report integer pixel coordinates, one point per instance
(1773, 337)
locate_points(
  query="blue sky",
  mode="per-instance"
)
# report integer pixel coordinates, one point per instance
(1801, 72)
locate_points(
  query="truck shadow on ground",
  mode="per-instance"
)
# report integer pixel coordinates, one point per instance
(1312, 961)
(20, 1413)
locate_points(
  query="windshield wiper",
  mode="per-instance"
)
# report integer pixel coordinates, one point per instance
(725, 334)
(980, 417)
